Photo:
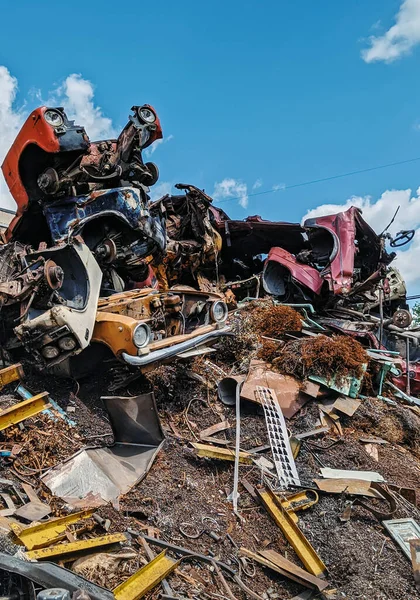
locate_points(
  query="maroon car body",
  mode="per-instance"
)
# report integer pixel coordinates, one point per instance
(342, 253)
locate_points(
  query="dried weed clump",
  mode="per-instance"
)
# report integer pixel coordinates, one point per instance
(339, 356)
(273, 321)
(269, 349)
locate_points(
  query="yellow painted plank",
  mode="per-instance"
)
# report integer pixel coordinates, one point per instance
(221, 453)
(293, 534)
(10, 374)
(46, 533)
(60, 550)
(146, 578)
(23, 410)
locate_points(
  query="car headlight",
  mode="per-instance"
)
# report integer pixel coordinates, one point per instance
(141, 335)
(219, 311)
(146, 115)
(67, 343)
(50, 352)
(54, 118)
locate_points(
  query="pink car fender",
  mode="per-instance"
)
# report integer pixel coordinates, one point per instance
(273, 275)
(342, 228)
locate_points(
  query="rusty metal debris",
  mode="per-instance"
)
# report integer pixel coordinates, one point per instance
(167, 272)
(204, 558)
(312, 319)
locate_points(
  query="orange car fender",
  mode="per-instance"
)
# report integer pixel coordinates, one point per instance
(116, 332)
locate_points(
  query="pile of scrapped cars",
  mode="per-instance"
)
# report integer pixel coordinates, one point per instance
(91, 269)
(305, 322)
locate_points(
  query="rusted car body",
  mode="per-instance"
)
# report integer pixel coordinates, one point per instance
(48, 300)
(332, 262)
(84, 229)
(91, 268)
(65, 185)
(342, 258)
(144, 328)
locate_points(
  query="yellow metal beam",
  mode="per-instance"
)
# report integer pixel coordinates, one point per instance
(19, 412)
(298, 501)
(146, 578)
(221, 453)
(47, 533)
(10, 374)
(293, 534)
(59, 551)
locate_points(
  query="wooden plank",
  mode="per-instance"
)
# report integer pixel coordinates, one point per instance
(357, 487)
(287, 565)
(222, 426)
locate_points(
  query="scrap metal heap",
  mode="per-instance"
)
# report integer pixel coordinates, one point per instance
(306, 327)
(84, 228)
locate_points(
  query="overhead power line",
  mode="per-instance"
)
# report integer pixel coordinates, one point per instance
(312, 181)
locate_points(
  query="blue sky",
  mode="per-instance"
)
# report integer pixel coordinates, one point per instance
(274, 92)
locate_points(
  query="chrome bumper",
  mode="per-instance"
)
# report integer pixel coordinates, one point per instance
(171, 351)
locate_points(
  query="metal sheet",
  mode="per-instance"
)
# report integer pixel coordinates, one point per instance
(33, 511)
(288, 389)
(349, 386)
(95, 476)
(285, 567)
(343, 474)
(402, 531)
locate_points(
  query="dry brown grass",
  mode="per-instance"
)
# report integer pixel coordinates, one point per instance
(339, 356)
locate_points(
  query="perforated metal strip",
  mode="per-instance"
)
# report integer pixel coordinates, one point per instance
(279, 440)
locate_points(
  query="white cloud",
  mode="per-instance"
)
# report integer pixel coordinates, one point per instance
(278, 186)
(257, 184)
(159, 190)
(378, 213)
(11, 119)
(151, 149)
(75, 94)
(400, 38)
(231, 188)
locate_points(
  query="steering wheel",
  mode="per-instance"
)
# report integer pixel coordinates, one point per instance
(402, 238)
